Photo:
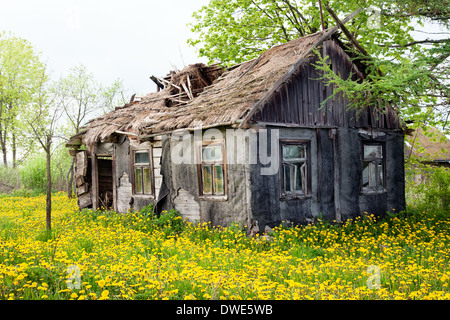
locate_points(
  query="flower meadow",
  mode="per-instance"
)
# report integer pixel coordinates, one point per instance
(105, 255)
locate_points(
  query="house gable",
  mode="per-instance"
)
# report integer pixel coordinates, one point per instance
(299, 100)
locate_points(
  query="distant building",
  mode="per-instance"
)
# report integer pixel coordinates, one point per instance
(432, 147)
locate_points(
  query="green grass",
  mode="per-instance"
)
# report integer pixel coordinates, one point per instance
(145, 256)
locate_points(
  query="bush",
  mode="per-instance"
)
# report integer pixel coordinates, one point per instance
(429, 189)
(8, 179)
(170, 222)
(33, 173)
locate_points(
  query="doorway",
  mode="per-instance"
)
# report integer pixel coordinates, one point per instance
(105, 182)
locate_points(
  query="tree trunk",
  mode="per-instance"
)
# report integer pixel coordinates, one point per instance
(49, 184)
(3, 145)
(14, 150)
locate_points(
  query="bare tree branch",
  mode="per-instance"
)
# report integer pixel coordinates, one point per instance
(426, 41)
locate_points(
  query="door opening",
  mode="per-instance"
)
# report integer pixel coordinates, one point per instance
(105, 182)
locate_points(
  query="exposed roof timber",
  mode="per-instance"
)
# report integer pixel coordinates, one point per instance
(350, 37)
(257, 106)
(158, 83)
(348, 34)
(126, 133)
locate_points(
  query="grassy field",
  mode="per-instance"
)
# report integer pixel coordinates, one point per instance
(103, 255)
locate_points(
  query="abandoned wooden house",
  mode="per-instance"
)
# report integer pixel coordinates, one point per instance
(177, 147)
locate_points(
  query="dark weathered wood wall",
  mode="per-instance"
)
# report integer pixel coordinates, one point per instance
(83, 179)
(299, 101)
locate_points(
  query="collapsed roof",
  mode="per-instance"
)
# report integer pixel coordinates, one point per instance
(203, 96)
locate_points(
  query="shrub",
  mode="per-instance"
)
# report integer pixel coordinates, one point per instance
(33, 174)
(430, 189)
(170, 222)
(8, 179)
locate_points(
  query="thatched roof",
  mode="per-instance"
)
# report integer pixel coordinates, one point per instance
(201, 96)
(133, 116)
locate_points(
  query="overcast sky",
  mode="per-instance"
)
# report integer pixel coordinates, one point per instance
(130, 40)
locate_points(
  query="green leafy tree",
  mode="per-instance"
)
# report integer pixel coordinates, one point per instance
(409, 73)
(81, 97)
(234, 31)
(20, 67)
(412, 76)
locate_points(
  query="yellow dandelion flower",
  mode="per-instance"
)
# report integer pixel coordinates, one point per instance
(104, 295)
(101, 283)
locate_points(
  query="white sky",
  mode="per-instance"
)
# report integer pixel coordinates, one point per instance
(130, 40)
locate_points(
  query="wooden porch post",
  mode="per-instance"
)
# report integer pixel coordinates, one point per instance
(333, 134)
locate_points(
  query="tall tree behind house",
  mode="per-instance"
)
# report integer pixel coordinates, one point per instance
(415, 71)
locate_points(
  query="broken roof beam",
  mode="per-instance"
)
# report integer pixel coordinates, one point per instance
(189, 87)
(126, 133)
(347, 33)
(187, 90)
(169, 83)
(350, 37)
(158, 83)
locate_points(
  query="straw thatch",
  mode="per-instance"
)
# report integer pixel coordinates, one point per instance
(131, 117)
(201, 96)
(230, 98)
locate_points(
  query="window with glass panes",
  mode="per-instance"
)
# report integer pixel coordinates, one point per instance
(294, 168)
(142, 172)
(212, 169)
(373, 178)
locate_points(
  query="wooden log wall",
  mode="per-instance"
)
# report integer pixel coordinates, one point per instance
(83, 179)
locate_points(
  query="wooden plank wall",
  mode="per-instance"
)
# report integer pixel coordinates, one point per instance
(83, 179)
(299, 100)
(157, 152)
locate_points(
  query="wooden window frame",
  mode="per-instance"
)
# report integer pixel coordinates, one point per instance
(201, 163)
(133, 150)
(295, 195)
(382, 161)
